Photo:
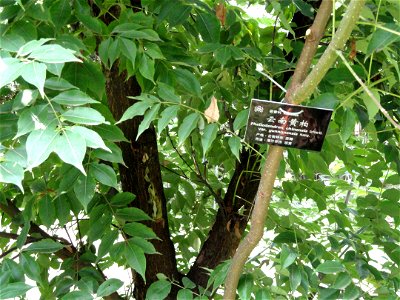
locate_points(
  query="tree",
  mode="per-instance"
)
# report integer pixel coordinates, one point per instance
(122, 126)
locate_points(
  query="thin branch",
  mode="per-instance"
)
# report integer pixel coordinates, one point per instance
(297, 92)
(329, 57)
(368, 91)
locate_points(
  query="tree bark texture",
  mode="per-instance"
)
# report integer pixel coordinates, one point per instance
(142, 177)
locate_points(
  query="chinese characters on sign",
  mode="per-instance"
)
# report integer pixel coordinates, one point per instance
(287, 125)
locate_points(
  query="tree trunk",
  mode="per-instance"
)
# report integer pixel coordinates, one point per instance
(224, 236)
(142, 177)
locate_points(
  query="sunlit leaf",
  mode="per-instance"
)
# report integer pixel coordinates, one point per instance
(39, 145)
(73, 98)
(83, 115)
(11, 172)
(35, 73)
(71, 148)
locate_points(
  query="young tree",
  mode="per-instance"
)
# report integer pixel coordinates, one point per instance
(121, 143)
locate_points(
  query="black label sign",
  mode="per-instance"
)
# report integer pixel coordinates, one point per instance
(287, 125)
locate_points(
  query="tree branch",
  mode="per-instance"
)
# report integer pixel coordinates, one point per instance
(297, 92)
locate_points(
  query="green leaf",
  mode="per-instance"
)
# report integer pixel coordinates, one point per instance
(103, 51)
(176, 12)
(187, 283)
(14, 289)
(158, 290)
(382, 38)
(77, 295)
(113, 51)
(92, 138)
(342, 281)
(25, 98)
(128, 49)
(132, 214)
(83, 115)
(245, 286)
(348, 124)
(305, 8)
(145, 245)
(209, 27)
(21, 239)
(135, 258)
(148, 118)
(104, 174)
(71, 148)
(153, 51)
(187, 126)
(35, 73)
(288, 256)
(330, 267)
(47, 211)
(294, 277)
(167, 93)
(167, 115)
(58, 84)
(122, 199)
(263, 294)
(32, 118)
(55, 69)
(351, 292)
(372, 108)
(39, 145)
(143, 34)
(84, 188)
(188, 82)
(83, 13)
(108, 287)
(86, 76)
(114, 155)
(73, 98)
(146, 67)
(60, 12)
(106, 242)
(44, 246)
(136, 109)
(30, 266)
(234, 144)
(223, 55)
(240, 120)
(11, 172)
(110, 133)
(184, 294)
(326, 100)
(10, 69)
(53, 54)
(209, 135)
(139, 230)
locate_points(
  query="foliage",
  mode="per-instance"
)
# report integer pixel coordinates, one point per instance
(60, 147)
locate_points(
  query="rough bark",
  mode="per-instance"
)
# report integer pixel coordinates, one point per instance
(142, 177)
(228, 227)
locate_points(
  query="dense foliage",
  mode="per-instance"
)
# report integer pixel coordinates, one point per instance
(70, 149)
